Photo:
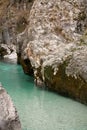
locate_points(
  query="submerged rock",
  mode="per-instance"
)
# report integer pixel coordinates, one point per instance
(9, 119)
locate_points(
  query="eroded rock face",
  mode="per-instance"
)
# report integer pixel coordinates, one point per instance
(13, 20)
(57, 46)
(9, 119)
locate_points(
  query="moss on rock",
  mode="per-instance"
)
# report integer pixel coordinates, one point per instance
(66, 85)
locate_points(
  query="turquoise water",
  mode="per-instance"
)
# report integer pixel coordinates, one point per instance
(39, 109)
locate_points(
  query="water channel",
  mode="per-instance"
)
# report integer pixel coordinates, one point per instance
(39, 109)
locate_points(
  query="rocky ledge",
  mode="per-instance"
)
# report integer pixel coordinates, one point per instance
(9, 119)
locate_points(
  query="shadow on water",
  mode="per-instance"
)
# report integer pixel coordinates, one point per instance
(8, 61)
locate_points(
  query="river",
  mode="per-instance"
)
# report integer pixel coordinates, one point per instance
(39, 109)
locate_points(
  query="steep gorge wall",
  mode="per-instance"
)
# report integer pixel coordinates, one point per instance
(13, 20)
(57, 46)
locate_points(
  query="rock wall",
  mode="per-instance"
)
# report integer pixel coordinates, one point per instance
(13, 20)
(9, 119)
(56, 46)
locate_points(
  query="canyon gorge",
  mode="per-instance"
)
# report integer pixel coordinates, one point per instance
(48, 38)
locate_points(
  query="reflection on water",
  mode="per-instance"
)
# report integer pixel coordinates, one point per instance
(39, 109)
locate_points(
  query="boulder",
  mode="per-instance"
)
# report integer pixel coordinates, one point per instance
(56, 46)
(9, 119)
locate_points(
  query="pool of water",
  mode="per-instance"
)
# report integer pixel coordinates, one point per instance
(39, 109)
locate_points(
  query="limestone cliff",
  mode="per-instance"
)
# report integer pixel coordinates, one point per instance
(13, 20)
(9, 119)
(56, 46)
